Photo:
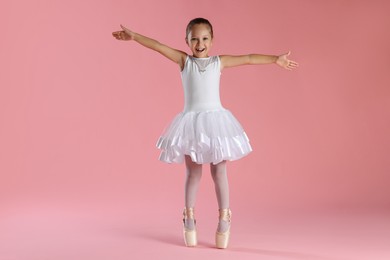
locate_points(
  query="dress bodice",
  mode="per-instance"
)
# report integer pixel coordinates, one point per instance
(200, 78)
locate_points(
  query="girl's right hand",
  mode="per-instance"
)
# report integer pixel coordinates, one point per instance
(125, 35)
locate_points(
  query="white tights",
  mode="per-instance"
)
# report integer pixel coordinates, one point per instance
(193, 177)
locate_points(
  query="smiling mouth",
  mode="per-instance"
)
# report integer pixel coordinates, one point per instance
(200, 50)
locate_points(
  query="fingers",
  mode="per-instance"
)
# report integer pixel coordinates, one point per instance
(118, 35)
(285, 63)
(291, 65)
(124, 35)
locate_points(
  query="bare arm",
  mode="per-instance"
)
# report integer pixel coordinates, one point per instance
(174, 55)
(255, 59)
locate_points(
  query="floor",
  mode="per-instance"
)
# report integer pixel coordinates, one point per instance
(39, 231)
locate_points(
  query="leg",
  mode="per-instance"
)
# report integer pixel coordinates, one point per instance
(219, 174)
(193, 176)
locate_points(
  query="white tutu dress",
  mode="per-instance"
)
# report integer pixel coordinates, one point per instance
(205, 130)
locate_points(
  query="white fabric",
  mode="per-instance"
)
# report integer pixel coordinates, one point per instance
(205, 130)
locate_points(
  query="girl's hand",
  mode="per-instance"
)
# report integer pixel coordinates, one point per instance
(283, 62)
(125, 35)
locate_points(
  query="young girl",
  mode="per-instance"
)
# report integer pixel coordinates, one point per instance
(205, 132)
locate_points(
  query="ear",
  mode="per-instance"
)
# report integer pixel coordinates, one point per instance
(186, 39)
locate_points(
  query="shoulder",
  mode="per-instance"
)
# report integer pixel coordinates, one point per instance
(223, 59)
(184, 61)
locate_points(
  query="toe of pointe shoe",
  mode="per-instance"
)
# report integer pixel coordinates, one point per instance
(222, 239)
(190, 238)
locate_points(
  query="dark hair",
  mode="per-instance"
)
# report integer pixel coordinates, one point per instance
(199, 21)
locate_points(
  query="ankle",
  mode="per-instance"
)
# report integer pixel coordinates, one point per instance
(224, 220)
(225, 214)
(189, 218)
(189, 224)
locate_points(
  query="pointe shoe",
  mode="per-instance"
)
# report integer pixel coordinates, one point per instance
(222, 238)
(190, 237)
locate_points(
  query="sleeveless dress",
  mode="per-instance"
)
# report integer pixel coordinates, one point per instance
(204, 130)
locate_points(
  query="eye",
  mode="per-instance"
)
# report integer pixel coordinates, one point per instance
(205, 38)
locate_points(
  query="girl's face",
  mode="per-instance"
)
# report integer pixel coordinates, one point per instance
(199, 40)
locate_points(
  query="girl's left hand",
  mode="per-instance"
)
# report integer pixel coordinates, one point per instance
(283, 62)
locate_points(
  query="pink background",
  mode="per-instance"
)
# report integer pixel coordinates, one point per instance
(80, 112)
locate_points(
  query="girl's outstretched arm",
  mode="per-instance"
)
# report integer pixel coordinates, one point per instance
(176, 56)
(232, 61)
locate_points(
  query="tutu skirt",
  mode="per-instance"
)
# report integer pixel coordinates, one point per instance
(206, 136)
